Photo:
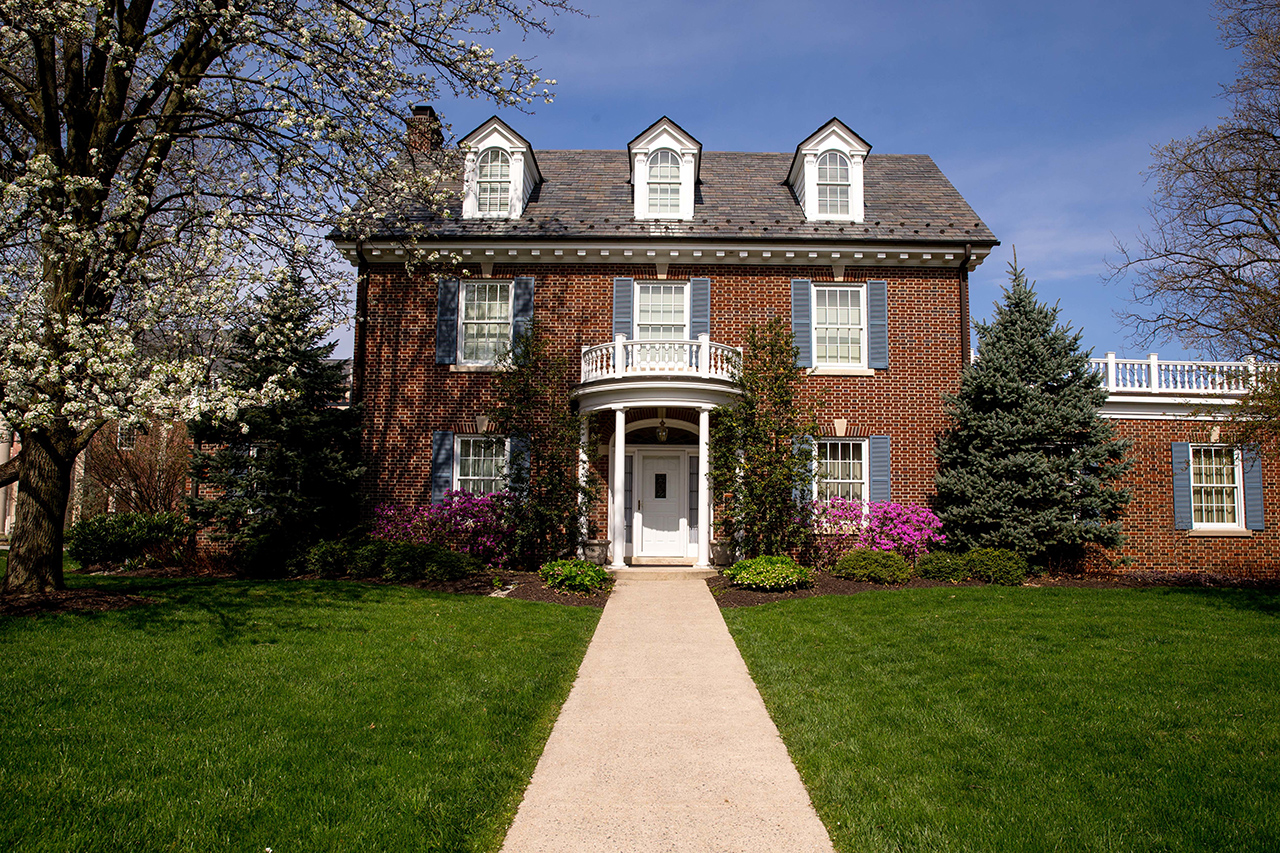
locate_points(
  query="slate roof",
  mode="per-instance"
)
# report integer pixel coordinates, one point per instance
(586, 195)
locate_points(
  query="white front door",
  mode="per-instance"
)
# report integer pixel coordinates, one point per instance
(660, 506)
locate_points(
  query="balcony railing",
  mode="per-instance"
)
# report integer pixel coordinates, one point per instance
(1151, 375)
(651, 359)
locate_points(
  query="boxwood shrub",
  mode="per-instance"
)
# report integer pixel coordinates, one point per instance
(393, 561)
(942, 566)
(996, 565)
(872, 566)
(122, 536)
(573, 575)
(768, 573)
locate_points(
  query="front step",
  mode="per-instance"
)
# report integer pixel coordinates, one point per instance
(662, 573)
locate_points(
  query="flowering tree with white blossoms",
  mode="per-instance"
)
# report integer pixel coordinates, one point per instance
(164, 161)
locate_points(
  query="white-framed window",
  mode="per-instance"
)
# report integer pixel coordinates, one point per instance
(1217, 496)
(662, 311)
(493, 181)
(839, 326)
(841, 468)
(833, 184)
(664, 182)
(126, 436)
(480, 464)
(484, 321)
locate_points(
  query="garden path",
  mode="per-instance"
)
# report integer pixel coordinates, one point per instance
(664, 742)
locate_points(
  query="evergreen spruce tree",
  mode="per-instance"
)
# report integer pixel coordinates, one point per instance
(1028, 463)
(287, 472)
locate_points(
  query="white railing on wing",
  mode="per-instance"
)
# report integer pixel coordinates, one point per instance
(624, 357)
(1151, 375)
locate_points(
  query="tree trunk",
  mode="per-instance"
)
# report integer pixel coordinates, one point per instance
(44, 484)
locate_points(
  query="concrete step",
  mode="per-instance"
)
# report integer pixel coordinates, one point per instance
(662, 573)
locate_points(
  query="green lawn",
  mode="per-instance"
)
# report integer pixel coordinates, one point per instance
(996, 719)
(297, 716)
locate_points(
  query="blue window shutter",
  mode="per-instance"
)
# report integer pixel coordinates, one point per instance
(1252, 464)
(1181, 451)
(880, 479)
(699, 307)
(878, 325)
(805, 446)
(802, 319)
(519, 456)
(441, 464)
(522, 306)
(623, 289)
(447, 321)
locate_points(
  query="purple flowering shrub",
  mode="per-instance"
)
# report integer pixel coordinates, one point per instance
(478, 525)
(841, 524)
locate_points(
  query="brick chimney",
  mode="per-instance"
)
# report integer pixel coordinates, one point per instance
(424, 129)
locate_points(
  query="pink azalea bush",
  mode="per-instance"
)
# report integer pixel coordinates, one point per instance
(841, 524)
(479, 525)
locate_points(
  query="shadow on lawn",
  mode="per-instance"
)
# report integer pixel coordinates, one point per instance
(1266, 602)
(235, 610)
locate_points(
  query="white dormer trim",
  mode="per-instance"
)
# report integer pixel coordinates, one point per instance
(835, 135)
(495, 133)
(664, 134)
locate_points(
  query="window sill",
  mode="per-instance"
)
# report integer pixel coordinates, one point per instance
(1224, 532)
(841, 371)
(474, 368)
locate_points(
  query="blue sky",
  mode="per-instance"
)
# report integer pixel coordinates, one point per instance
(1042, 115)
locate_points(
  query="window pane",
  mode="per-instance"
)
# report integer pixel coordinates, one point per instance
(481, 465)
(493, 188)
(837, 326)
(1214, 486)
(486, 320)
(840, 472)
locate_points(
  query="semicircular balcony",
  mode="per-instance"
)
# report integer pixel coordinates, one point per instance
(672, 372)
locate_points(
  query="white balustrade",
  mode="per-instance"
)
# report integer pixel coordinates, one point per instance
(622, 357)
(1151, 375)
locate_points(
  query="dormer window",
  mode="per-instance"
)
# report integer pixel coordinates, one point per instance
(826, 174)
(664, 183)
(664, 171)
(500, 172)
(833, 184)
(493, 181)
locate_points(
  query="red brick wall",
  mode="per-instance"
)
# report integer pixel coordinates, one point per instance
(407, 395)
(1152, 543)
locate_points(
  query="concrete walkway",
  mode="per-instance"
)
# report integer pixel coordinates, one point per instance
(664, 743)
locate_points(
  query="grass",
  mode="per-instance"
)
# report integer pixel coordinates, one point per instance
(294, 716)
(995, 719)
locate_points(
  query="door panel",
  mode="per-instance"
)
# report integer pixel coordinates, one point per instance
(661, 507)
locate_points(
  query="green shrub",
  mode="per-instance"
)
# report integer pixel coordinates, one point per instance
(996, 565)
(768, 573)
(368, 558)
(872, 566)
(118, 537)
(328, 558)
(414, 561)
(573, 575)
(942, 566)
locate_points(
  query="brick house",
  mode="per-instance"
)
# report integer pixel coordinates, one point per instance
(647, 265)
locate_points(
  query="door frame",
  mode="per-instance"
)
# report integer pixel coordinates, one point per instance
(681, 485)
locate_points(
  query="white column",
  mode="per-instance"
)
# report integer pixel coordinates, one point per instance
(704, 490)
(6, 440)
(619, 487)
(1153, 371)
(1111, 372)
(470, 198)
(584, 471)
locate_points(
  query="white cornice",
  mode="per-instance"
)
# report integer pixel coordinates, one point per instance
(1165, 407)
(643, 251)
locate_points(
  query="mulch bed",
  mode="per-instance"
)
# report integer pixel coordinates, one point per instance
(527, 586)
(68, 601)
(728, 595)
